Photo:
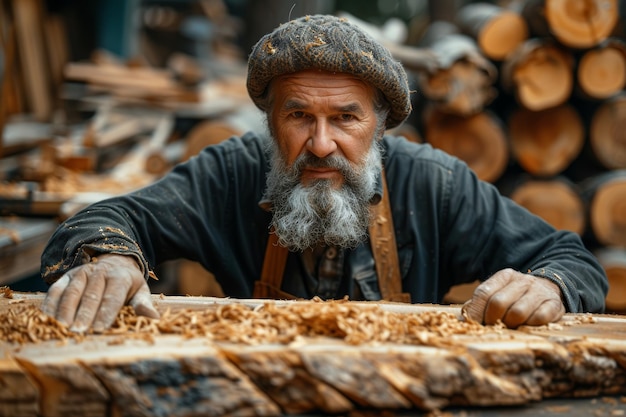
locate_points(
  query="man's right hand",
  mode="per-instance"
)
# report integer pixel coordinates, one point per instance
(91, 295)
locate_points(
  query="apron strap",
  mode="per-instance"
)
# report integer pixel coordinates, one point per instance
(383, 243)
(273, 269)
(385, 251)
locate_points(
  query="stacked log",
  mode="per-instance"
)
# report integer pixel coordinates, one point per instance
(553, 73)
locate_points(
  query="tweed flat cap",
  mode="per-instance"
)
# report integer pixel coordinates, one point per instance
(333, 44)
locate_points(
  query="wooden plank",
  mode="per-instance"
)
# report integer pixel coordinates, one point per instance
(29, 27)
(135, 373)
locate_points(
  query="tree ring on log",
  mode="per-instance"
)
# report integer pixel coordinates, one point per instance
(545, 143)
(554, 201)
(602, 71)
(582, 23)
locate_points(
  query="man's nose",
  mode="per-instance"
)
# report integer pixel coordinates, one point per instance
(321, 142)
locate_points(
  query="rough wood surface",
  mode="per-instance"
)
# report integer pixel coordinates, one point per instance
(136, 374)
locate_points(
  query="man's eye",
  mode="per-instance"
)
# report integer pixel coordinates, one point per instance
(297, 114)
(346, 117)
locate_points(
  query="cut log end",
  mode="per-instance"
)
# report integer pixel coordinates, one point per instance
(502, 35)
(608, 213)
(581, 24)
(602, 72)
(545, 143)
(554, 201)
(478, 140)
(607, 134)
(613, 260)
(544, 79)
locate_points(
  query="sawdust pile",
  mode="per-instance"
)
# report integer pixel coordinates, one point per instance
(266, 323)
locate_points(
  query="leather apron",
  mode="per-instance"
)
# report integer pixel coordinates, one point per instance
(382, 240)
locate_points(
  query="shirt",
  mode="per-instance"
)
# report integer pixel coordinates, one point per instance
(451, 228)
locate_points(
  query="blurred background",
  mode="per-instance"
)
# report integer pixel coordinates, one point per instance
(101, 97)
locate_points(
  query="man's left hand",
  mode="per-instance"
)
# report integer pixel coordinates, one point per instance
(516, 299)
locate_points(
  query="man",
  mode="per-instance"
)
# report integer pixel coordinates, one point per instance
(308, 211)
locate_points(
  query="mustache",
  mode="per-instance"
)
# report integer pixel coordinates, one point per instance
(308, 160)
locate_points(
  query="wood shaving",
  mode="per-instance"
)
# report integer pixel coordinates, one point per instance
(28, 324)
(6, 292)
(267, 323)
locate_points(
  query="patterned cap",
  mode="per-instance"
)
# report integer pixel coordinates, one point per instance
(332, 44)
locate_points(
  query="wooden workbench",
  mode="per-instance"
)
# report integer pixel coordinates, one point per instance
(583, 356)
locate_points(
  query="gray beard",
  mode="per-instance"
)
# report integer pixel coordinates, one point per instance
(320, 213)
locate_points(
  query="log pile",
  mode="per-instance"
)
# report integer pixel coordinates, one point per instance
(215, 356)
(552, 100)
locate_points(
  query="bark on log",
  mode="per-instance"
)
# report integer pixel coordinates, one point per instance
(545, 143)
(539, 74)
(497, 31)
(479, 140)
(556, 200)
(464, 82)
(605, 196)
(613, 260)
(607, 135)
(601, 71)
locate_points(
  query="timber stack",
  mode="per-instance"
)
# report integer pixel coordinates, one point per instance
(531, 94)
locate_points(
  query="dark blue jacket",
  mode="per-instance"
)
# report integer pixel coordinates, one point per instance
(451, 228)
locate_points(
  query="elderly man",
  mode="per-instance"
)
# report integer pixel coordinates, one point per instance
(327, 205)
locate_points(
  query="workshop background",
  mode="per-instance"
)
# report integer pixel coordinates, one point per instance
(102, 97)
